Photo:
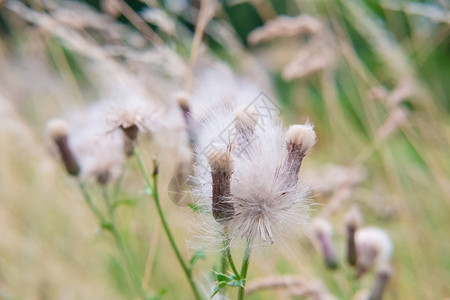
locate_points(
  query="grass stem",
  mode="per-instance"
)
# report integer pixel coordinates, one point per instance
(155, 194)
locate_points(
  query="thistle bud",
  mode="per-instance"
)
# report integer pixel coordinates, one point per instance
(353, 220)
(103, 177)
(58, 132)
(373, 245)
(183, 102)
(221, 170)
(131, 131)
(299, 140)
(384, 274)
(323, 231)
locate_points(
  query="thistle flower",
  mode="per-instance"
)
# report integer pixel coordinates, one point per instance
(373, 246)
(323, 231)
(58, 132)
(353, 220)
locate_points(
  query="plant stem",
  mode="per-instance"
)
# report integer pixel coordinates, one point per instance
(111, 227)
(108, 203)
(223, 262)
(227, 254)
(244, 269)
(230, 259)
(155, 194)
(129, 260)
(91, 205)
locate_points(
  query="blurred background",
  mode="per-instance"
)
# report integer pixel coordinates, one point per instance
(372, 76)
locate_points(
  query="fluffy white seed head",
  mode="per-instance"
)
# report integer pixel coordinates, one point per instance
(373, 246)
(221, 161)
(132, 116)
(183, 100)
(322, 227)
(376, 238)
(246, 118)
(302, 135)
(266, 208)
(57, 129)
(353, 218)
(235, 117)
(323, 231)
(101, 156)
(385, 269)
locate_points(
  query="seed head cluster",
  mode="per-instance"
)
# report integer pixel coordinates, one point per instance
(250, 180)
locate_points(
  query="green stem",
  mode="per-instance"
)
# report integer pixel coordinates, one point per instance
(110, 226)
(118, 183)
(91, 205)
(129, 260)
(244, 269)
(155, 194)
(230, 259)
(223, 262)
(227, 252)
(223, 266)
(108, 203)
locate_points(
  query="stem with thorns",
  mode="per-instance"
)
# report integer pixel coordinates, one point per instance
(154, 190)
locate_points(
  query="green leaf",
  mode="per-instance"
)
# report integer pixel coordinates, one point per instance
(224, 280)
(107, 226)
(199, 254)
(219, 286)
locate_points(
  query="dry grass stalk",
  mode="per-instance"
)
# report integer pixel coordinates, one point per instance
(296, 286)
(286, 27)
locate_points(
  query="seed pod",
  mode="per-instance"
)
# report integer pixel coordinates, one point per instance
(221, 170)
(323, 231)
(58, 131)
(384, 274)
(353, 220)
(373, 246)
(299, 140)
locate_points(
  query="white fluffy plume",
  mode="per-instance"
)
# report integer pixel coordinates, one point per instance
(267, 205)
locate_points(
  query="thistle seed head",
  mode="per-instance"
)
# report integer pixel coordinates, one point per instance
(58, 132)
(183, 101)
(57, 129)
(323, 231)
(300, 138)
(384, 274)
(373, 246)
(245, 124)
(353, 220)
(131, 131)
